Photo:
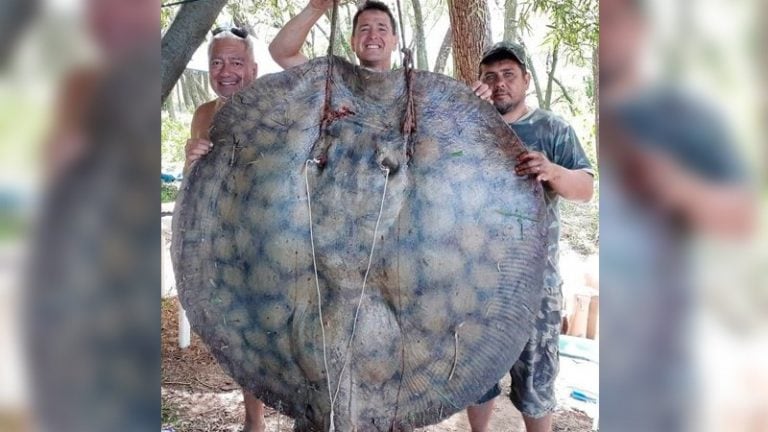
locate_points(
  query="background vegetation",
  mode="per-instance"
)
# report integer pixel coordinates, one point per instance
(560, 36)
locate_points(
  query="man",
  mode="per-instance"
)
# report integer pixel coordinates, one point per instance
(374, 35)
(231, 68)
(556, 159)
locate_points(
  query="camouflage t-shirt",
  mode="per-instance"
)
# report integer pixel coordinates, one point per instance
(543, 131)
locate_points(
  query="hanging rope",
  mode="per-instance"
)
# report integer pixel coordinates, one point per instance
(317, 286)
(329, 115)
(347, 353)
(409, 119)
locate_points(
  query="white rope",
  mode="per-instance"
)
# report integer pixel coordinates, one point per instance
(365, 280)
(455, 350)
(317, 285)
(279, 414)
(334, 396)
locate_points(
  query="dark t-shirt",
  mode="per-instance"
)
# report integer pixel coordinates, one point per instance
(543, 131)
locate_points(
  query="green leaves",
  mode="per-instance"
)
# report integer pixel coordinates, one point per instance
(574, 25)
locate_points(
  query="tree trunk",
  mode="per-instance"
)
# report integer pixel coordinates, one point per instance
(309, 51)
(170, 107)
(198, 90)
(181, 40)
(344, 42)
(189, 88)
(207, 83)
(551, 77)
(202, 81)
(471, 36)
(189, 104)
(422, 61)
(445, 50)
(566, 96)
(510, 20)
(177, 93)
(189, 82)
(536, 84)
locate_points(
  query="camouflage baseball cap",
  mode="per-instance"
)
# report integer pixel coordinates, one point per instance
(503, 50)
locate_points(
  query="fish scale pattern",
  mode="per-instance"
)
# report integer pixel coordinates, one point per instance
(455, 277)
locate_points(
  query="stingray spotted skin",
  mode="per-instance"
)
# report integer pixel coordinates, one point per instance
(456, 274)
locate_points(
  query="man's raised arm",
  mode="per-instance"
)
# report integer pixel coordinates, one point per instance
(286, 47)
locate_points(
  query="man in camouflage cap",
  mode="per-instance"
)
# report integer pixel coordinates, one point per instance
(556, 159)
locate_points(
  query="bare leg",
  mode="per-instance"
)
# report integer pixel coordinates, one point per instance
(543, 424)
(254, 414)
(479, 416)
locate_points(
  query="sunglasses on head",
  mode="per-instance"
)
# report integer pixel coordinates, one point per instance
(237, 31)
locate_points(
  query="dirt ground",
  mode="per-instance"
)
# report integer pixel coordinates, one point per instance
(198, 396)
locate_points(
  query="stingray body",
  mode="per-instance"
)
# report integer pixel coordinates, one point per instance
(326, 325)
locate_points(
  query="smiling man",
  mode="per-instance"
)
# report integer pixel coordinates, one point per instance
(374, 35)
(556, 159)
(231, 67)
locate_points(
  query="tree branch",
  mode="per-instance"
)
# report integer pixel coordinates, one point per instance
(184, 36)
(536, 84)
(445, 51)
(567, 96)
(550, 77)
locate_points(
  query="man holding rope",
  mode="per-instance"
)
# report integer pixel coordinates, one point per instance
(374, 38)
(374, 35)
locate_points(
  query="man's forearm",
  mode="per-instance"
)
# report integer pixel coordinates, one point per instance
(573, 185)
(286, 47)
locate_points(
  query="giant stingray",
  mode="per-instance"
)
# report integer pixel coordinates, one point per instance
(423, 253)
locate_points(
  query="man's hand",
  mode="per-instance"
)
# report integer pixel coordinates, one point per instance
(195, 149)
(482, 91)
(536, 163)
(320, 5)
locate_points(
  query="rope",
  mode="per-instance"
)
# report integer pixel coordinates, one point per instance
(317, 284)
(333, 396)
(327, 111)
(409, 120)
(365, 280)
(455, 350)
(328, 116)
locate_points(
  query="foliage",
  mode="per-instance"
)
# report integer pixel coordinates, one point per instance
(168, 192)
(166, 17)
(564, 29)
(169, 415)
(574, 24)
(173, 137)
